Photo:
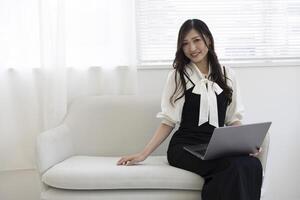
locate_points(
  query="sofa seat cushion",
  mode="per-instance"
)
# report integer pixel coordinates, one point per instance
(92, 173)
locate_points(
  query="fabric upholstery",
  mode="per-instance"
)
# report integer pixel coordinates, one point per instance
(53, 146)
(77, 159)
(91, 173)
(113, 125)
(140, 194)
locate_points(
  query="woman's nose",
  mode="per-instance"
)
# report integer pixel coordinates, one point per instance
(192, 47)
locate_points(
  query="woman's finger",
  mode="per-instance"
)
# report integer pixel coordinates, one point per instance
(259, 150)
(119, 162)
(130, 162)
(122, 161)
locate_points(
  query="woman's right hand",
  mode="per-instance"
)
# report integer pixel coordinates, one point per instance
(131, 159)
(161, 133)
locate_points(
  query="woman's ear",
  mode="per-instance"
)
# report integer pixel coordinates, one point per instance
(208, 43)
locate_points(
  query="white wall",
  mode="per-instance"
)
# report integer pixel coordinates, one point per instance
(269, 94)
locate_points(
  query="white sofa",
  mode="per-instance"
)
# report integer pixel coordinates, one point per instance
(77, 159)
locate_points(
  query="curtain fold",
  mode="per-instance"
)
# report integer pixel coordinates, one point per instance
(35, 89)
(52, 78)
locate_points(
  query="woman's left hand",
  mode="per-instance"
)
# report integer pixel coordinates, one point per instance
(256, 153)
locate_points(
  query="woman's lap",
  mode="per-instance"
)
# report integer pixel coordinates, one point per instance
(178, 157)
(236, 177)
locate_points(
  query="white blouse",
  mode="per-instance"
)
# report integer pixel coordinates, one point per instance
(171, 115)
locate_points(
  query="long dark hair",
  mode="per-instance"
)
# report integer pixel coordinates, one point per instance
(181, 61)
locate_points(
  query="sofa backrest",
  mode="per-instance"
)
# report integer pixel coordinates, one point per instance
(113, 125)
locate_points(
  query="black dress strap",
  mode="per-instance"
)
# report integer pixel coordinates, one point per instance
(188, 78)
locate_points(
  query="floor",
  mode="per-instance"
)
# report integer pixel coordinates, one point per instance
(19, 185)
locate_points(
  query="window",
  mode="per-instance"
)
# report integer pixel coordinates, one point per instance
(253, 31)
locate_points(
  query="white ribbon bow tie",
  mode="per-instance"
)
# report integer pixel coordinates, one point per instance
(208, 101)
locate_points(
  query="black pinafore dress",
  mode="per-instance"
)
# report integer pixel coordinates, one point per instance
(228, 178)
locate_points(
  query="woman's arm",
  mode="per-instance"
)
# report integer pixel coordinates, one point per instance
(161, 133)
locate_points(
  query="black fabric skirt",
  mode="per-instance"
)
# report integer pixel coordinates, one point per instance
(228, 178)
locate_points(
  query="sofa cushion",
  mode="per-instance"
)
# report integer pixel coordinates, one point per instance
(91, 173)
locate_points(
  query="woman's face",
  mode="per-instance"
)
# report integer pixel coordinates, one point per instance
(194, 47)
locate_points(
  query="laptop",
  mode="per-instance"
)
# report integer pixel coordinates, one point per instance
(231, 141)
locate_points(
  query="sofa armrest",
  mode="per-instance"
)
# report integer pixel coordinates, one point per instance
(53, 146)
(263, 156)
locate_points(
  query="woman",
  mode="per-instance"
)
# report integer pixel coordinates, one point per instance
(200, 95)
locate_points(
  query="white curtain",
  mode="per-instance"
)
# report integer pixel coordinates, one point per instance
(52, 51)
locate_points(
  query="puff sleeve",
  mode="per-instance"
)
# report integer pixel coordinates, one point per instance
(235, 110)
(170, 114)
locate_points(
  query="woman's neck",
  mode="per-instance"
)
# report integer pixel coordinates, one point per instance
(203, 66)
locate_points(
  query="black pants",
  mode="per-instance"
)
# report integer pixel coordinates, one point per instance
(230, 178)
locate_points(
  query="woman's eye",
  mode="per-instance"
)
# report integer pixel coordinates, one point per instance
(184, 44)
(197, 40)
